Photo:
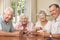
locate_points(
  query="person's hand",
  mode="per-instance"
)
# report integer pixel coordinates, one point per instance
(38, 28)
(31, 34)
(41, 33)
(25, 31)
(16, 33)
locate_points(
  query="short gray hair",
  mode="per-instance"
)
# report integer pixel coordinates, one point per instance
(23, 15)
(42, 12)
(7, 9)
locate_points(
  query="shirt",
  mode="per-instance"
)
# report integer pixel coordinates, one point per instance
(45, 28)
(18, 26)
(7, 27)
(55, 26)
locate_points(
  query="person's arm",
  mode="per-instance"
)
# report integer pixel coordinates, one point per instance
(43, 34)
(56, 35)
(52, 35)
(16, 33)
(11, 33)
(46, 34)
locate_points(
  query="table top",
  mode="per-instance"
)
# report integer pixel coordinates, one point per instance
(22, 38)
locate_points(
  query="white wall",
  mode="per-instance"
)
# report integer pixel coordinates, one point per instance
(3, 5)
(33, 10)
(44, 4)
(27, 8)
(30, 9)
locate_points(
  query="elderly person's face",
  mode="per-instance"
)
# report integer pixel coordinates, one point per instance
(54, 12)
(24, 20)
(42, 17)
(8, 16)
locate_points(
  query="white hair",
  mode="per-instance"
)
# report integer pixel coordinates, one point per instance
(41, 12)
(7, 9)
(21, 15)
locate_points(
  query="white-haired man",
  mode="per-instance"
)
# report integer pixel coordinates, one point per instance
(6, 27)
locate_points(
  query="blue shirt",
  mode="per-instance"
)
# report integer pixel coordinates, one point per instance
(7, 27)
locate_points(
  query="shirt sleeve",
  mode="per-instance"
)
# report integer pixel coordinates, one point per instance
(48, 27)
(29, 26)
(0, 27)
(58, 29)
(12, 28)
(37, 24)
(0, 22)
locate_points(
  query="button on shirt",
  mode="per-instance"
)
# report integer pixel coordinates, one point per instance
(7, 27)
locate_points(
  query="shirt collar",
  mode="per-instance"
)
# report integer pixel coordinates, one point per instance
(3, 20)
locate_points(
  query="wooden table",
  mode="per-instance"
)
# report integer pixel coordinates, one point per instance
(33, 37)
(9, 38)
(22, 38)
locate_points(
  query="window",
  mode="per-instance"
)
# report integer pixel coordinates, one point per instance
(18, 6)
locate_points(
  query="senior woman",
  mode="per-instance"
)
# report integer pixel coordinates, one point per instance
(42, 26)
(24, 24)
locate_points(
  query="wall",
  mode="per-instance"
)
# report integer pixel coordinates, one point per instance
(31, 9)
(44, 5)
(3, 5)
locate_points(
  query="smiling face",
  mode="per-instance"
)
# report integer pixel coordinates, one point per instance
(54, 12)
(8, 16)
(24, 19)
(42, 17)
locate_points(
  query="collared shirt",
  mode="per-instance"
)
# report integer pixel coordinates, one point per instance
(18, 26)
(55, 26)
(45, 28)
(7, 27)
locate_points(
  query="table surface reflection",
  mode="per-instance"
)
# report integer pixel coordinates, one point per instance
(22, 38)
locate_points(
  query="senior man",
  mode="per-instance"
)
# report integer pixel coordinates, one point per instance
(6, 27)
